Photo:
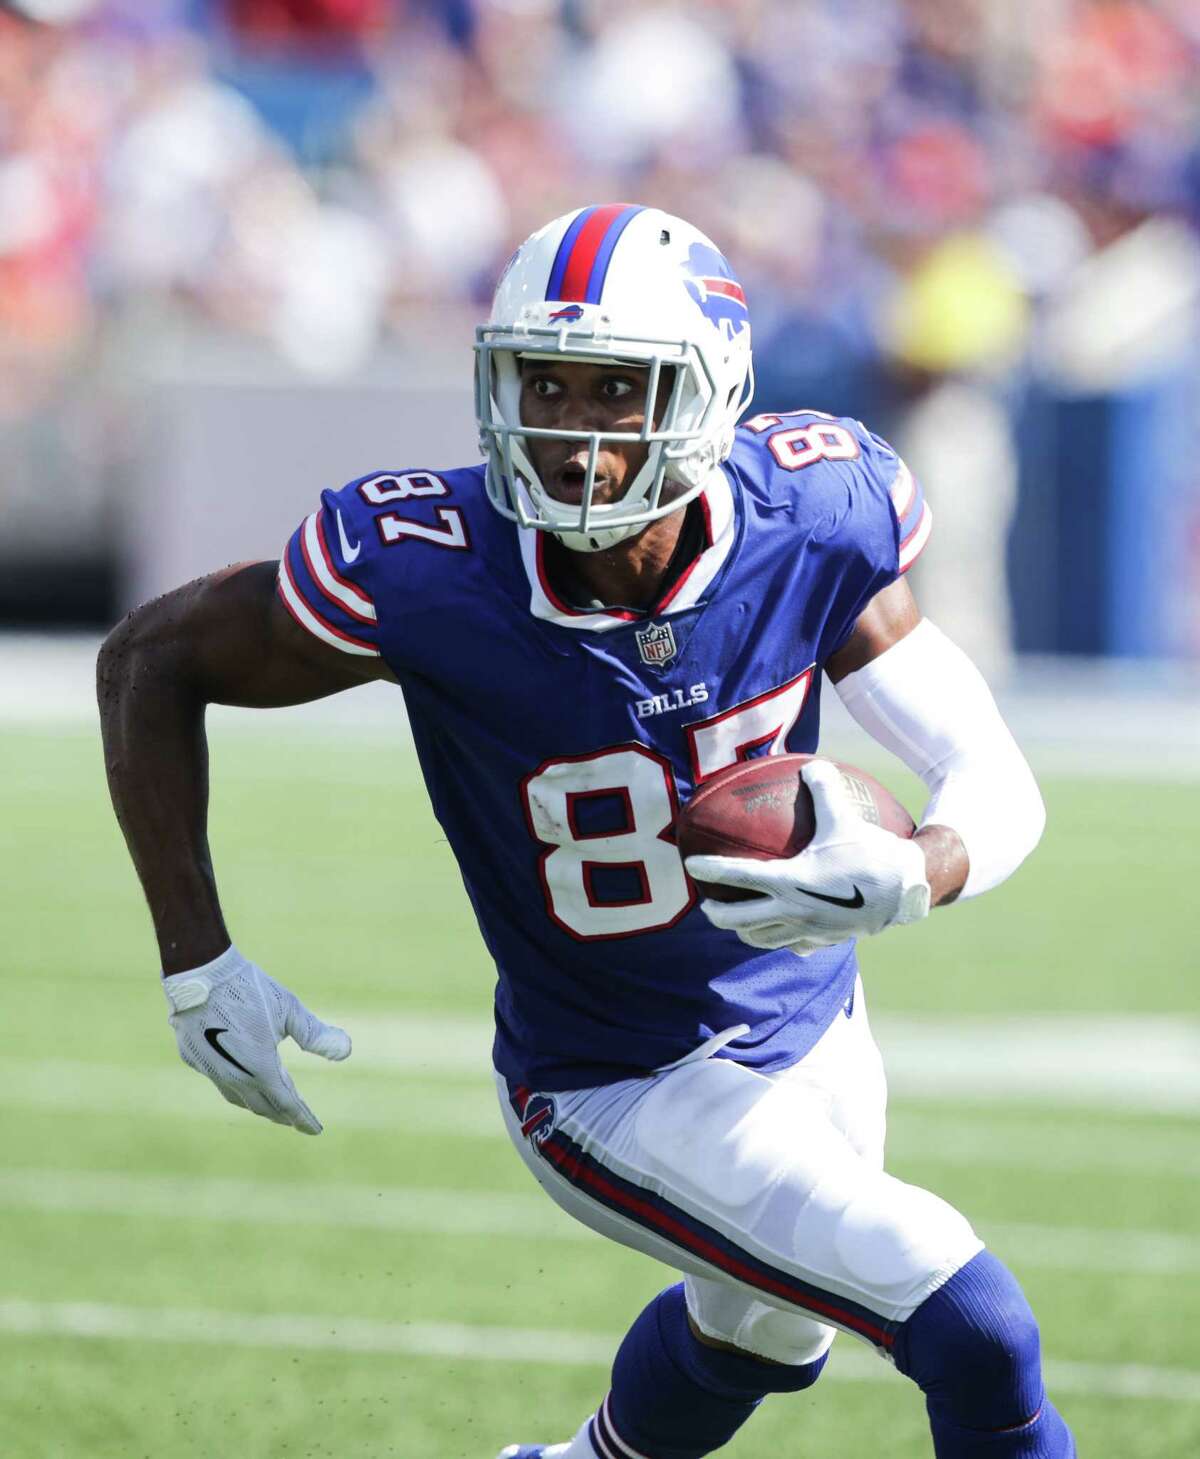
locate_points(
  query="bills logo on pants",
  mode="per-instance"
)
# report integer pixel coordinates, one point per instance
(536, 1112)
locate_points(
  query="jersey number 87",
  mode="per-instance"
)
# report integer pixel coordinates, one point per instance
(639, 783)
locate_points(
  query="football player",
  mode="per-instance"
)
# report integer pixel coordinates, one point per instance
(629, 595)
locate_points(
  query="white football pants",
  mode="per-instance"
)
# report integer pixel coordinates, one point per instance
(766, 1190)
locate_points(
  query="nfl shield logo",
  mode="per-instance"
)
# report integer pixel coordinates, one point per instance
(656, 643)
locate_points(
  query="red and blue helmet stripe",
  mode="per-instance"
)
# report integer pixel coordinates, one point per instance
(581, 263)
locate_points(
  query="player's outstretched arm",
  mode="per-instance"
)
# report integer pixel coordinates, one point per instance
(224, 639)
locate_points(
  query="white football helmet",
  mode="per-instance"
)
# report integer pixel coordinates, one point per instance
(621, 283)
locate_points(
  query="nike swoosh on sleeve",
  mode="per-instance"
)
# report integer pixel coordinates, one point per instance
(348, 553)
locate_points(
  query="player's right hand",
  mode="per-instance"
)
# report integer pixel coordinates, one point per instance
(229, 1018)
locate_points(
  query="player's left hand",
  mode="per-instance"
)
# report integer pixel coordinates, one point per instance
(853, 879)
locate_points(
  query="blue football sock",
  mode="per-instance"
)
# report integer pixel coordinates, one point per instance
(973, 1349)
(674, 1397)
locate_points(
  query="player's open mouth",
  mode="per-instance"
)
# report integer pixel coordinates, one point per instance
(567, 482)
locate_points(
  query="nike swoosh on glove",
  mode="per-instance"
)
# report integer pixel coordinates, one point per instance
(853, 879)
(229, 1018)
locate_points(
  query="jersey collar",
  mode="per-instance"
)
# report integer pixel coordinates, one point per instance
(720, 521)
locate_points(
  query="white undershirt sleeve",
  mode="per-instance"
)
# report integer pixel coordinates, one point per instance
(925, 701)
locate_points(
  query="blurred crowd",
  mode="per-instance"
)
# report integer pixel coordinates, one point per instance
(938, 208)
(896, 179)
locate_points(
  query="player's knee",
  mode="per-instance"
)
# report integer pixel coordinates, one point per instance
(891, 1237)
(973, 1348)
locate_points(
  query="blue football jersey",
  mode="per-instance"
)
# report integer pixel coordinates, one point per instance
(557, 743)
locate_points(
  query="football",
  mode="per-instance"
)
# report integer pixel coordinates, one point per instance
(763, 809)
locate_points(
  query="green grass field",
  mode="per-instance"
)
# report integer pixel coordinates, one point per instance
(182, 1280)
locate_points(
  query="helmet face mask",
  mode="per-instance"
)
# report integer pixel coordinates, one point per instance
(647, 283)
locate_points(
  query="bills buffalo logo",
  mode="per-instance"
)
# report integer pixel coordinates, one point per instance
(710, 282)
(537, 1117)
(571, 313)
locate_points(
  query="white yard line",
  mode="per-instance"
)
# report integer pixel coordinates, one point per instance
(317, 1333)
(1135, 1062)
(406, 1208)
(450, 1110)
(1147, 1064)
(441, 1213)
(102, 1321)
(430, 1075)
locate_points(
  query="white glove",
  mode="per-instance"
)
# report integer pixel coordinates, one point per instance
(229, 1018)
(852, 879)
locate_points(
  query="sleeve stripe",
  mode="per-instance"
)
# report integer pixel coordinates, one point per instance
(908, 524)
(904, 490)
(308, 618)
(913, 545)
(315, 551)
